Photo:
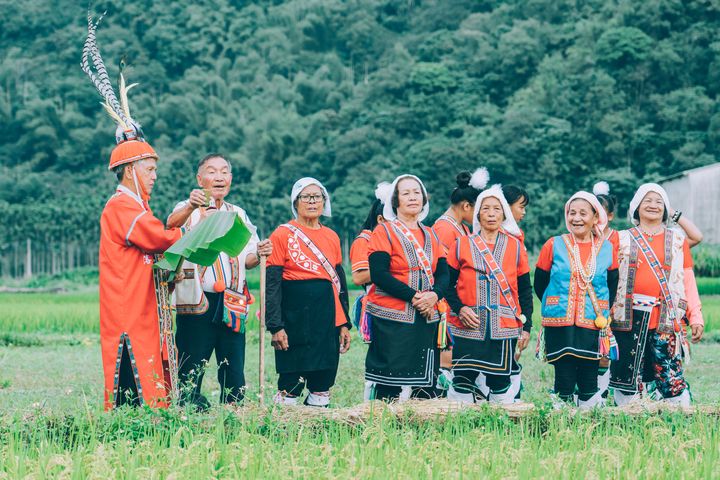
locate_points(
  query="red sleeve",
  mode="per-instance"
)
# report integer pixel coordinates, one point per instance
(452, 258)
(687, 256)
(379, 241)
(148, 233)
(445, 234)
(545, 259)
(615, 246)
(279, 252)
(359, 255)
(438, 246)
(524, 263)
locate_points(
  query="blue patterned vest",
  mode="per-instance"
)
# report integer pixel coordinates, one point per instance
(563, 303)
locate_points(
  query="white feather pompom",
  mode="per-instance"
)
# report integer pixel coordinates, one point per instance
(383, 191)
(480, 178)
(601, 188)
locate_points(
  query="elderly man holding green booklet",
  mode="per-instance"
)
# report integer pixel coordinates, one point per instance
(212, 301)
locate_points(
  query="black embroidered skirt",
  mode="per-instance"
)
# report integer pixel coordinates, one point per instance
(403, 353)
(491, 357)
(629, 369)
(574, 341)
(308, 313)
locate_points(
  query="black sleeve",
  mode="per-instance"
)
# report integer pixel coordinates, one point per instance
(273, 299)
(541, 281)
(613, 276)
(451, 294)
(442, 278)
(344, 299)
(526, 299)
(380, 276)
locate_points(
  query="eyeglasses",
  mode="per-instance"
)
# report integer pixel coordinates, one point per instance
(311, 198)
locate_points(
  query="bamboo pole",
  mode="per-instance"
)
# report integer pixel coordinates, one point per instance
(261, 339)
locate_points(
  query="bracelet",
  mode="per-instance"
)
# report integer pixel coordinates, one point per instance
(676, 216)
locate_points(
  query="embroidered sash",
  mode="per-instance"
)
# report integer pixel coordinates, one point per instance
(422, 257)
(324, 262)
(658, 271)
(497, 273)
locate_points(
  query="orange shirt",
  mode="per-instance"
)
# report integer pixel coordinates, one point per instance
(514, 264)
(298, 261)
(129, 236)
(385, 239)
(645, 281)
(359, 252)
(449, 231)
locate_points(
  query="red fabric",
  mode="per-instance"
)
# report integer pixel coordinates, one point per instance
(128, 238)
(645, 281)
(447, 233)
(359, 253)
(399, 267)
(514, 264)
(326, 241)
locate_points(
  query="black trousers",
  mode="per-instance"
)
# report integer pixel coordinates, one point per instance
(197, 336)
(317, 381)
(464, 381)
(573, 375)
(127, 389)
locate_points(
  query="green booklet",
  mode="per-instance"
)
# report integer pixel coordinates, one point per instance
(218, 232)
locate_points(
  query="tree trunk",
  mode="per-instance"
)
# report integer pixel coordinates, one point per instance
(28, 258)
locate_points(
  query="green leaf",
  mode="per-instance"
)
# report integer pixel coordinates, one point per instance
(219, 232)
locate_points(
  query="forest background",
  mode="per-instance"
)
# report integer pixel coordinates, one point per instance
(552, 95)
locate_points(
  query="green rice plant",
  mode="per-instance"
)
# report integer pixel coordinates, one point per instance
(225, 444)
(50, 313)
(708, 285)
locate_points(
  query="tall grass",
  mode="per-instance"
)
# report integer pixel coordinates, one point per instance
(132, 444)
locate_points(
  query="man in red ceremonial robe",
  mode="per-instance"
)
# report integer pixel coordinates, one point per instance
(129, 326)
(138, 365)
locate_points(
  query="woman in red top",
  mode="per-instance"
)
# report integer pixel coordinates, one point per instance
(359, 264)
(307, 300)
(656, 294)
(409, 275)
(452, 225)
(490, 293)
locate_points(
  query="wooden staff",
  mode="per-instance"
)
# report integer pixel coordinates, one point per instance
(261, 339)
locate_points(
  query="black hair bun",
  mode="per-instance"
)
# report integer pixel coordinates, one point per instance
(463, 179)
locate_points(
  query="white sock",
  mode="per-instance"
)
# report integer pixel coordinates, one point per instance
(282, 398)
(318, 399)
(455, 396)
(682, 400)
(369, 386)
(505, 398)
(592, 402)
(622, 398)
(481, 383)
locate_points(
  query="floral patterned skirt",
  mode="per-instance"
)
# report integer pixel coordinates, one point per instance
(647, 356)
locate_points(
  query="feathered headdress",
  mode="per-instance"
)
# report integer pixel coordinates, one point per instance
(128, 135)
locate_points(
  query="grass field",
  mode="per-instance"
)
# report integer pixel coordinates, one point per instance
(51, 423)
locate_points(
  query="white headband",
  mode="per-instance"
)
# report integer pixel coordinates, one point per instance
(388, 212)
(509, 224)
(592, 200)
(301, 185)
(640, 194)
